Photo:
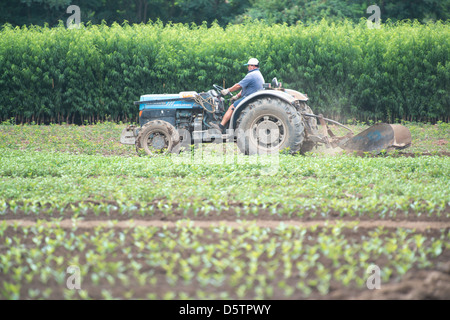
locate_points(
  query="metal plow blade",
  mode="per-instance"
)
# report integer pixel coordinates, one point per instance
(379, 137)
(402, 136)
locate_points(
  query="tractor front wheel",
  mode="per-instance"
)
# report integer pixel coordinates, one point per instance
(158, 137)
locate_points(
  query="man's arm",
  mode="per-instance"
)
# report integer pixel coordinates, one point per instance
(237, 86)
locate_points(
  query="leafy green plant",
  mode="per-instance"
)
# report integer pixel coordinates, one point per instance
(55, 75)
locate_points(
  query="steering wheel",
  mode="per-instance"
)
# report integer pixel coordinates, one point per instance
(219, 89)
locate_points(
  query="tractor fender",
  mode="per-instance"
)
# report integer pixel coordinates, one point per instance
(297, 95)
(259, 94)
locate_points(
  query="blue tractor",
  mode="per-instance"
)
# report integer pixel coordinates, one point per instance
(268, 121)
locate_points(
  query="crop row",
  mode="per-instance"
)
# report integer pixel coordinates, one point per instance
(221, 262)
(56, 183)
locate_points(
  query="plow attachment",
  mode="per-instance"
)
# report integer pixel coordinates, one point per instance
(379, 137)
(376, 138)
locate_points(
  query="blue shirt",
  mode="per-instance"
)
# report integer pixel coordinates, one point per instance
(252, 82)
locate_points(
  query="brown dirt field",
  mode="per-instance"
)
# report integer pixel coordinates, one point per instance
(372, 224)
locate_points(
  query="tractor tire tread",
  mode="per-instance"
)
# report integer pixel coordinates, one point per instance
(293, 116)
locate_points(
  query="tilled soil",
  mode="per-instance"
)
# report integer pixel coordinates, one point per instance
(366, 224)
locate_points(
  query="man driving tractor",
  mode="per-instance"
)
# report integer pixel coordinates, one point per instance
(251, 83)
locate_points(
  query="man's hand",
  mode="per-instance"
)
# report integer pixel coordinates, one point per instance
(234, 98)
(224, 92)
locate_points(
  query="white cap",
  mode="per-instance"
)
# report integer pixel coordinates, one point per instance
(253, 62)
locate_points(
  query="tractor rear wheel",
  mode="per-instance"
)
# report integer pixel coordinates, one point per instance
(269, 125)
(158, 137)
